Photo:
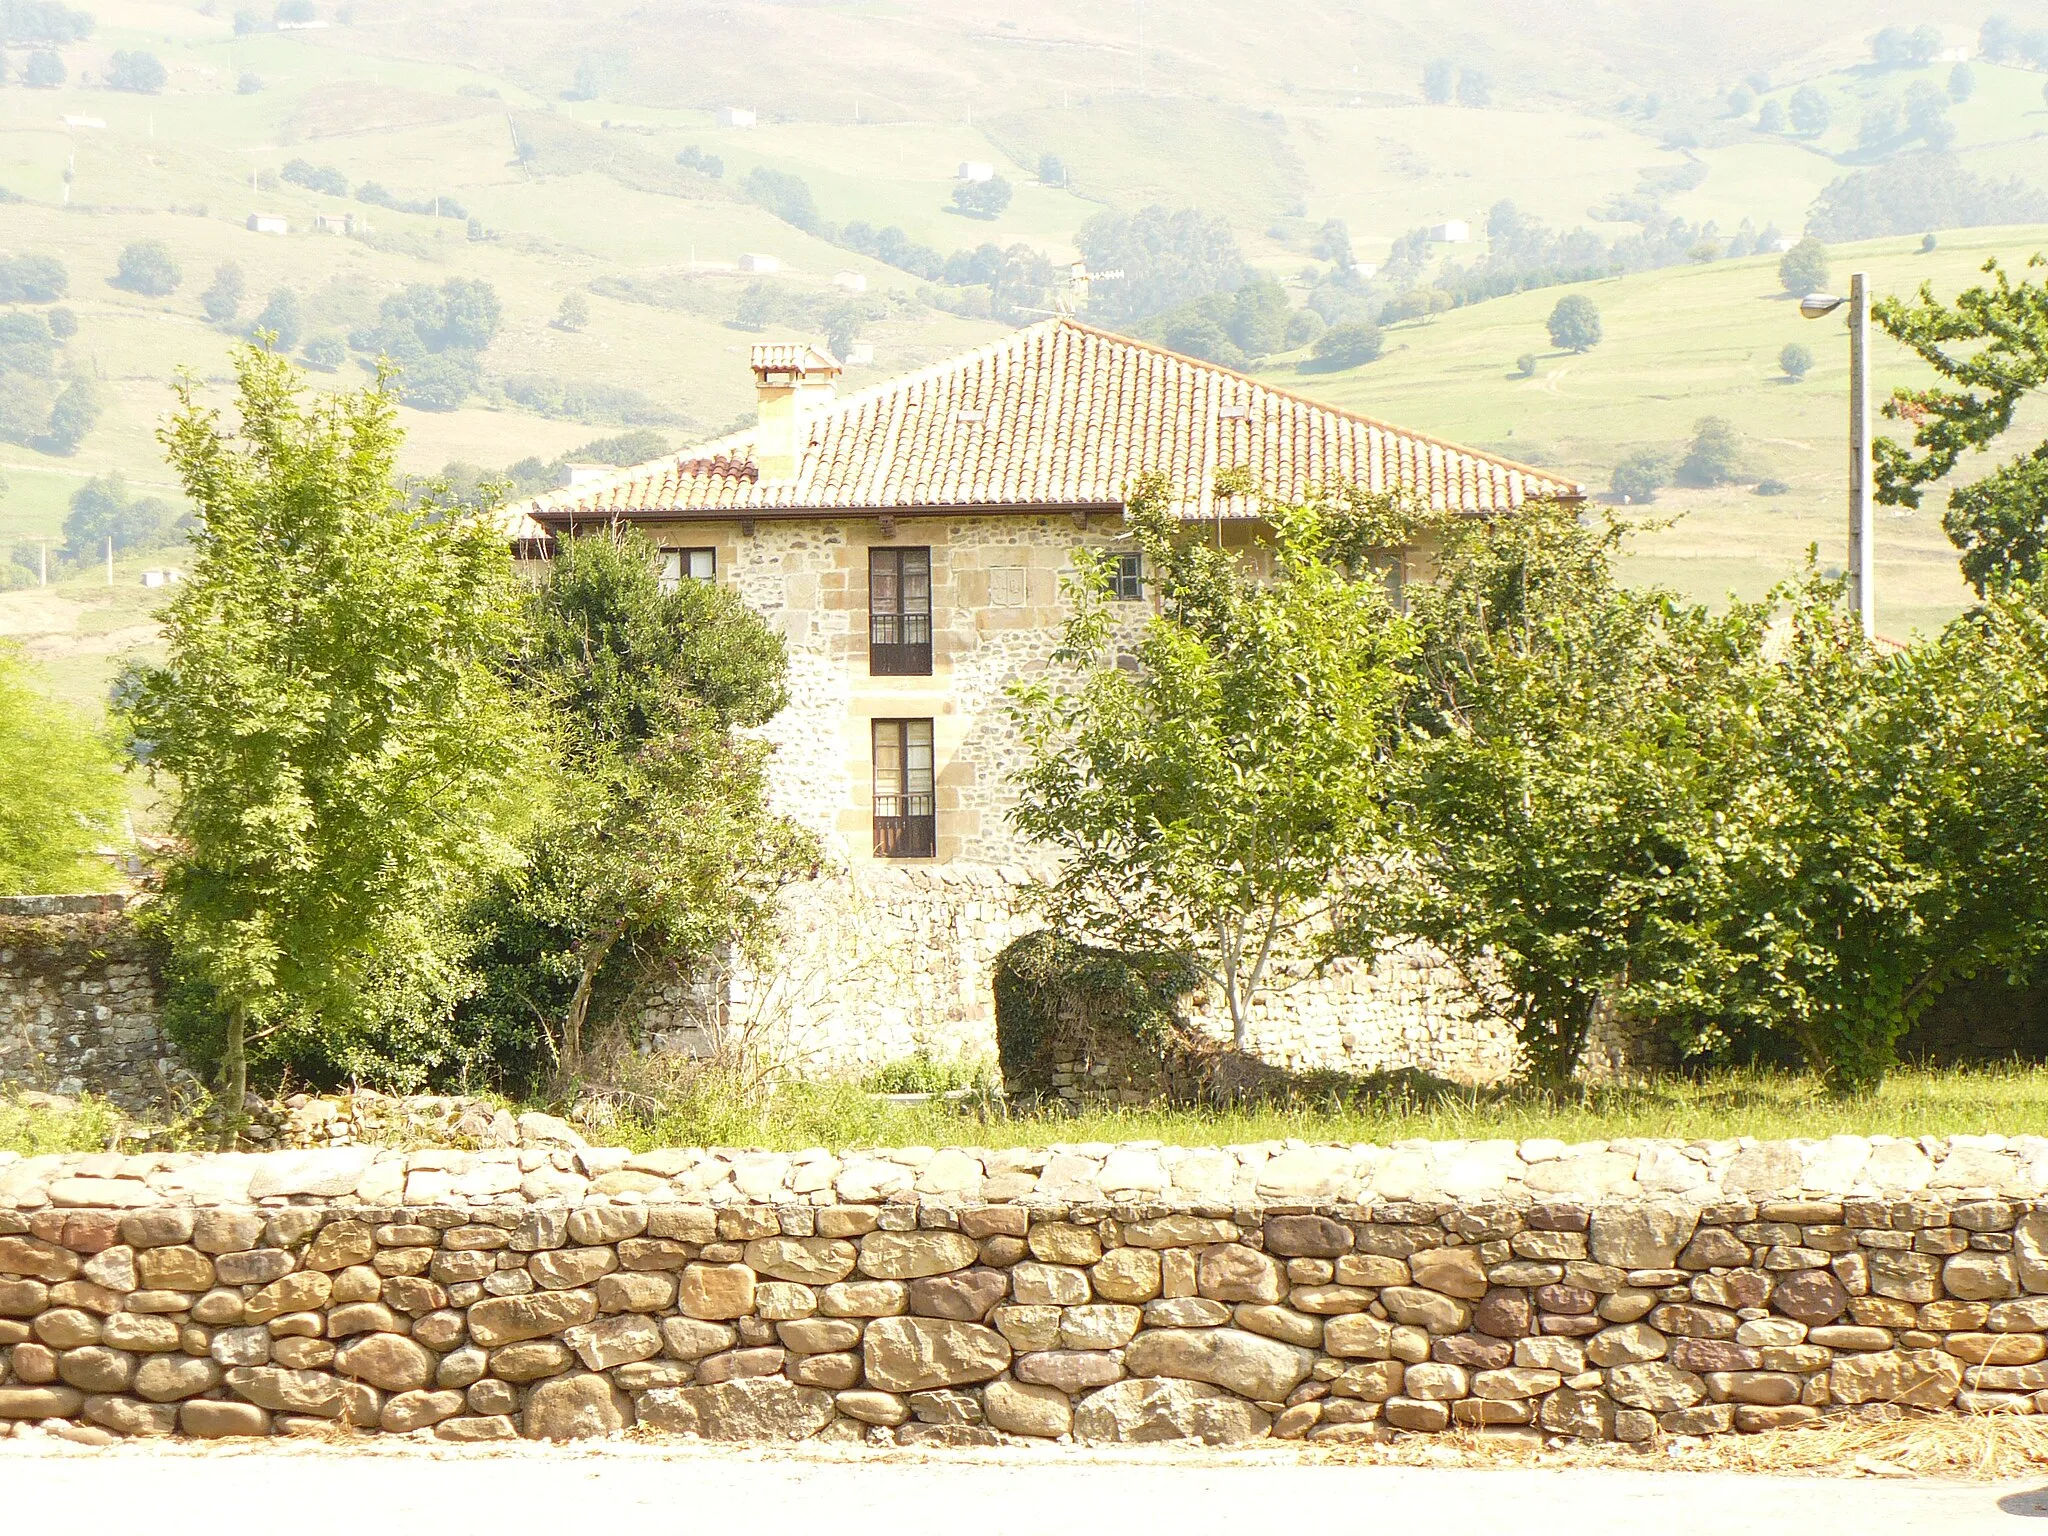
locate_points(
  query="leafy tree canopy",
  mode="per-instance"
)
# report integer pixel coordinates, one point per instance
(64, 794)
(1989, 352)
(329, 709)
(1211, 776)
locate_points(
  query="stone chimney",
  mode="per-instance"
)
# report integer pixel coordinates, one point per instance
(793, 381)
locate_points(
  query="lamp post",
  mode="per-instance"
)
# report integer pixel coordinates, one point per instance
(1862, 591)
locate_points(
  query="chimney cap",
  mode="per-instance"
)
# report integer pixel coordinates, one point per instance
(801, 358)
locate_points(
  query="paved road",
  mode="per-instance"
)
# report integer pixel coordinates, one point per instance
(169, 1493)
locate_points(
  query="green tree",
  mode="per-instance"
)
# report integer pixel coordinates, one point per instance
(786, 196)
(64, 794)
(33, 279)
(1810, 112)
(1052, 170)
(574, 313)
(982, 199)
(1574, 324)
(1714, 457)
(147, 266)
(1349, 345)
(1439, 77)
(74, 413)
(656, 842)
(1259, 312)
(1879, 841)
(1962, 83)
(329, 709)
(1989, 352)
(1642, 474)
(101, 509)
(1796, 359)
(281, 318)
(1771, 118)
(222, 300)
(1211, 786)
(45, 69)
(136, 71)
(1556, 795)
(1804, 268)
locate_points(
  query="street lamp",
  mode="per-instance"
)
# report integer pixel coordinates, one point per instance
(1862, 593)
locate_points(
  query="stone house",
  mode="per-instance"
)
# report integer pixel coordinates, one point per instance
(909, 541)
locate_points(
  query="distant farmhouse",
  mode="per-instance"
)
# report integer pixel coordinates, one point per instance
(909, 541)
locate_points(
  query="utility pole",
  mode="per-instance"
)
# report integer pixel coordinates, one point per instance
(110, 559)
(1862, 589)
(1862, 536)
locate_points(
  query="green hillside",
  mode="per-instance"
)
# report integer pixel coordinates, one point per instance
(556, 131)
(1679, 345)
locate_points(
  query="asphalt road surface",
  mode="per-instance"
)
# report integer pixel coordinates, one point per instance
(633, 1492)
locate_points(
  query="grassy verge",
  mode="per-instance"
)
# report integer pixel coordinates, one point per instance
(2007, 1100)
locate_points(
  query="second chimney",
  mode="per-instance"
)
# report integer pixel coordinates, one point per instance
(793, 381)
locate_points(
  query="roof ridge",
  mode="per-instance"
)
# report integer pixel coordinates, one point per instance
(1311, 402)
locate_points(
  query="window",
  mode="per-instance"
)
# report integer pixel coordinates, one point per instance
(1127, 578)
(900, 613)
(680, 565)
(906, 807)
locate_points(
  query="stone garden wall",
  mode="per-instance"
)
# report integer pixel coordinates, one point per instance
(1624, 1290)
(78, 1001)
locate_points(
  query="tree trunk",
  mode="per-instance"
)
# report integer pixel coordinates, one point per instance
(592, 961)
(234, 1069)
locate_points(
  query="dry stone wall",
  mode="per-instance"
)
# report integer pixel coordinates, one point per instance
(1624, 1290)
(78, 1001)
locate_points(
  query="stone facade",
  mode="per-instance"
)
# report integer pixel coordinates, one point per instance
(887, 956)
(78, 1001)
(1607, 1291)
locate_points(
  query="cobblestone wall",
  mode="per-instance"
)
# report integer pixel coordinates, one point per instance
(78, 1001)
(1625, 1290)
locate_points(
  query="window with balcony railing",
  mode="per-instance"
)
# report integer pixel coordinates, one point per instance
(906, 800)
(900, 612)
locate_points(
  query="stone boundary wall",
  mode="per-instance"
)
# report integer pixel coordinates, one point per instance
(78, 1001)
(1624, 1290)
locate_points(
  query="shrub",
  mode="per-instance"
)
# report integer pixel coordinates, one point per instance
(440, 381)
(147, 267)
(327, 353)
(315, 178)
(1525, 365)
(1642, 474)
(1772, 487)
(32, 280)
(63, 323)
(1796, 359)
(1349, 344)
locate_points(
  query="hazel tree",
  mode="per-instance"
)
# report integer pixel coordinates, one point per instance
(330, 709)
(1212, 783)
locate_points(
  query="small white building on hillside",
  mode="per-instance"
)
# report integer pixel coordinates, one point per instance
(269, 224)
(736, 117)
(759, 261)
(975, 170)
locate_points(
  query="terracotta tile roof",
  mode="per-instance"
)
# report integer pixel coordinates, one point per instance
(1057, 414)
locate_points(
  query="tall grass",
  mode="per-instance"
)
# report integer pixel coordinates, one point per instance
(2008, 1100)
